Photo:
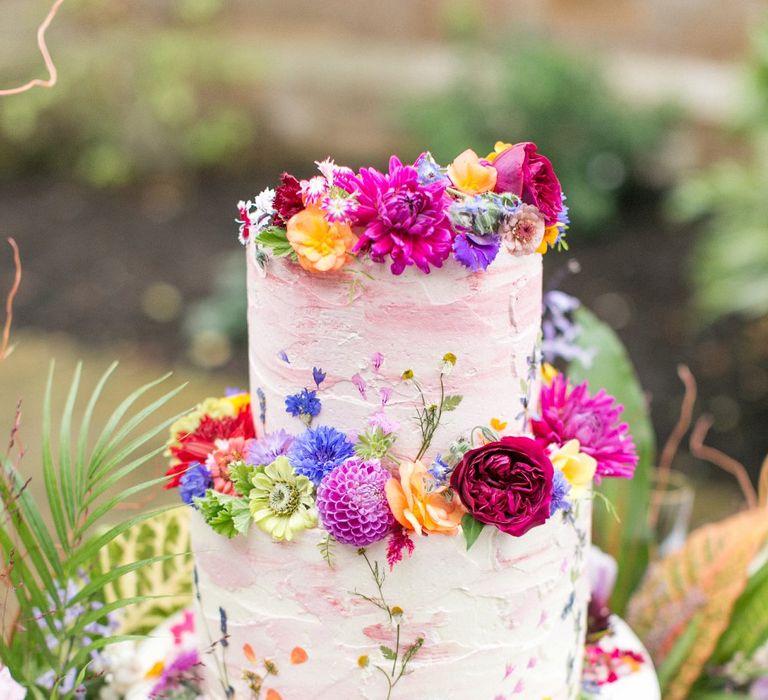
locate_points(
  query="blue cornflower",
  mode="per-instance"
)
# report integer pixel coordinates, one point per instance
(560, 490)
(318, 450)
(194, 483)
(305, 403)
(318, 375)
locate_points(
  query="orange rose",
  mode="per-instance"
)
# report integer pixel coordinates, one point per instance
(471, 176)
(320, 245)
(418, 505)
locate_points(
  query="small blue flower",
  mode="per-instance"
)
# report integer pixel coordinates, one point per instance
(232, 391)
(560, 490)
(223, 627)
(262, 405)
(318, 375)
(439, 469)
(318, 450)
(428, 170)
(194, 483)
(305, 403)
(283, 355)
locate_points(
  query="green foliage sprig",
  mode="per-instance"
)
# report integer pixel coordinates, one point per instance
(82, 485)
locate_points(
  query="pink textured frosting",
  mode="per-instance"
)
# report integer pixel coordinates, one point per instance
(337, 322)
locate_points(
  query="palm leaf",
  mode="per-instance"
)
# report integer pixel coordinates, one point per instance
(612, 370)
(81, 489)
(701, 583)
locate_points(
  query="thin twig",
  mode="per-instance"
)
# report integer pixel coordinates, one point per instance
(720, 459)
(49, 64)
(9, 301)
(763, 484)
(672, 445)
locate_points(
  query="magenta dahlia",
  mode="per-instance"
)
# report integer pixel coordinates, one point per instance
(353, 504)
(401, 218)
(569, 413)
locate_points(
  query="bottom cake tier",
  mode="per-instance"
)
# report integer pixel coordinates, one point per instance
(303, 619)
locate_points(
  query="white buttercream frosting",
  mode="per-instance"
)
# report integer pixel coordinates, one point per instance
(501, 621)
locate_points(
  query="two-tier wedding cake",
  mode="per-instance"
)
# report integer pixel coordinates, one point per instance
(400, 508)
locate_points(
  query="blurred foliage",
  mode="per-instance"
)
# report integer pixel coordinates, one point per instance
(687, 599)
(220, 317)
(537, 92)
(141, 91)
(612, 370)
(731, 200)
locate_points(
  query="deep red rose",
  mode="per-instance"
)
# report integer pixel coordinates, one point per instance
(197, 445)
(287, 199)
(506, 483)
(529, 175)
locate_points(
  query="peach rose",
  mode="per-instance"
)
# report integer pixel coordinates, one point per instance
(320, 245)
(421, 506)
(470, 175)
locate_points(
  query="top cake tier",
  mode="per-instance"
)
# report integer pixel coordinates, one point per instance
(385, 340)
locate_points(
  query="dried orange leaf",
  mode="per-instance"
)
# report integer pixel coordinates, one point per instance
(250, 654)
(702, 580)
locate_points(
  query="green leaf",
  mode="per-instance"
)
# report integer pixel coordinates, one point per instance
(227, 515)
(276, 239)
(748, 628)
(471, 529)
(387, 653)
(612, 370)
(451, 402)
(679, 652)
(241, 474)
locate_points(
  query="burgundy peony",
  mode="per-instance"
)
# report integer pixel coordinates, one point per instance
(287, 199)
(530, 176)
(506, 483)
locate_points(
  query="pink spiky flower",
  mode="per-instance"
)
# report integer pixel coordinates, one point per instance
(569, 413)
(401, 218)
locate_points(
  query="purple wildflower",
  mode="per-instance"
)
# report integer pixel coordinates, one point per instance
(385, 394)
(359, 383)
(377, 360)
(194, 483)
(352, 503)
(476, 252)
(429, 171)
(318, 375)
(402, 218)
(569, 413)
(268, 448)
(318, 450)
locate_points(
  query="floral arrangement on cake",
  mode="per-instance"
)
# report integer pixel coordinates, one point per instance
(360, 489)
(412, 215)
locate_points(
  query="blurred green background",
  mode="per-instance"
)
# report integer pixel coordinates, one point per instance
(119, 184)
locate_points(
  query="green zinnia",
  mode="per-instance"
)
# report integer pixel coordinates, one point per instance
(281, 500)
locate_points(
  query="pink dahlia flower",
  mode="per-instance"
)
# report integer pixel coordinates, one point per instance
(401, 218)
(569, 413)
(352, 503)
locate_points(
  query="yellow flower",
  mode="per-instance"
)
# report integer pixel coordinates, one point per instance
(469, 175)
(498, 149)
(548, 373)
(550, 238)
(320, 245)
(578, 468)
(498, 425)
(239, 401)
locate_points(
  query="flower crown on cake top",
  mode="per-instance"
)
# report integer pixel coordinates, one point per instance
(361, 489)
(420, 214)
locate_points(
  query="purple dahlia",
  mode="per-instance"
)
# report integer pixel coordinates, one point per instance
(570, 413)
(401, 217)
(352, 503)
